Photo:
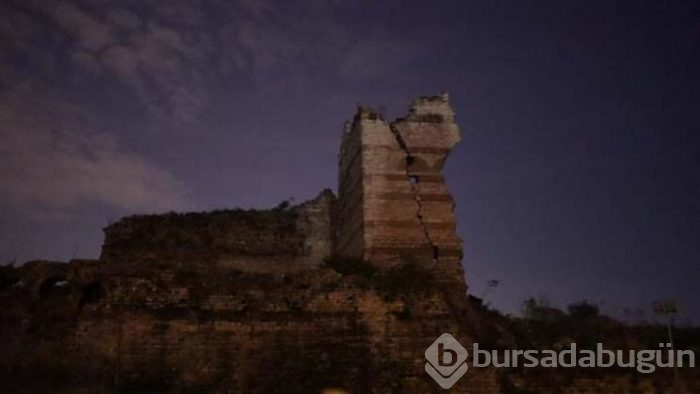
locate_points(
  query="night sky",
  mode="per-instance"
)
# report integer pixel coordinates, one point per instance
(578, 176)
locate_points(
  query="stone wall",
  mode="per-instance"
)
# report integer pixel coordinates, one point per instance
(177, 330)
(283, 239)
(393, 204)
(220, 331)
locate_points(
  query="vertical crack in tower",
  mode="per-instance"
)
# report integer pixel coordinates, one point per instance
(416, 191)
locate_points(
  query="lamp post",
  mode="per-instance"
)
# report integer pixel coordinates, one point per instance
(668, 309)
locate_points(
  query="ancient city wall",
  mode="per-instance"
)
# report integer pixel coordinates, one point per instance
(283, 239)
(238, 301)
(392, 205)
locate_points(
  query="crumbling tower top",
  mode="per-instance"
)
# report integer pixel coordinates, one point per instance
(432, 106)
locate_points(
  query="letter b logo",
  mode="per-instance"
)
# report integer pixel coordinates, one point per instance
(446, 360)
(442, 361)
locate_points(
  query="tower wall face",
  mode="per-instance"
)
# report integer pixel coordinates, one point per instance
(350, 209)
(392, 196)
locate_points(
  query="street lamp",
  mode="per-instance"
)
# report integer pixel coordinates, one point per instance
(668, 309)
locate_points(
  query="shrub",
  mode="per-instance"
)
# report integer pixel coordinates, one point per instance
(350, 266)
(539, 309)
(583, 310)
(9, 275)
(409, 279)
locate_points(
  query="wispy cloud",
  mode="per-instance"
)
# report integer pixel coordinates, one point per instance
(52, 161)
(172, 57)
(160, 64)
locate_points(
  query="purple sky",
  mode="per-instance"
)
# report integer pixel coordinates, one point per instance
(578, 176)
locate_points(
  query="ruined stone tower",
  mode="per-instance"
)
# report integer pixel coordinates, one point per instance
(392, 197)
